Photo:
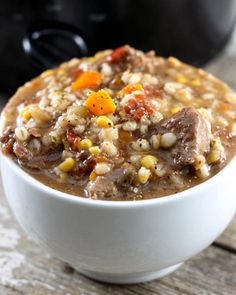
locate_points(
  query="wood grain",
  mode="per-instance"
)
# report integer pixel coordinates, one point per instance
(228, 238)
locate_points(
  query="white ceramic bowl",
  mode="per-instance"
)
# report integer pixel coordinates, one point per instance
(122, 242)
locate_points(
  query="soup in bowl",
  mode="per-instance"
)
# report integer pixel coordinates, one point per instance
(121, 164)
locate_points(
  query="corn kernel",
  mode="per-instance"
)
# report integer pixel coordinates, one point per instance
(92, 176)
(63, 176)
(104, 122)
(148, 161)
(25, 113)
(67, 165)
(214, 156)
(195, 82)
(199, 162)
(155, 141)
(47, 73)
(61, 72)
(217, 153)
(174, 61)
(143, 175)
(175, 110)
(201, 72)
(92, 58)
(85, 144)
(223, 87)
(94, 150)
(181, 79)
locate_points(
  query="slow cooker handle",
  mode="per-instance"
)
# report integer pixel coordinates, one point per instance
(49, 44)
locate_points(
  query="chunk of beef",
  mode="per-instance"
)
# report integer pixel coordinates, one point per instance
(7, 140)
(127, 58)
(193, 134)
(35, 157)
(102, 188)
(114, 185)
(84, 164)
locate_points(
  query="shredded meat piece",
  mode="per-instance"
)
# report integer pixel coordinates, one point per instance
(115, 184)
(7, 139)
(193, 135)
(101, 188)
(84, 164)
(127, 58)
(32, 158)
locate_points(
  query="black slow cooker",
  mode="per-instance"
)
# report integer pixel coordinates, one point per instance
(35, 35)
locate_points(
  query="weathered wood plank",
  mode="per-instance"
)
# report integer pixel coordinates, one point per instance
(207, 273)
(228, 238)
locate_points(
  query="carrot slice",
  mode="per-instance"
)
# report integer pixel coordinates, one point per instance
(224, 106)
(87, 80)
(100, 103)
(92, 176)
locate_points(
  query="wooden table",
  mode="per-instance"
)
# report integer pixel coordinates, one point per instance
(27, 269)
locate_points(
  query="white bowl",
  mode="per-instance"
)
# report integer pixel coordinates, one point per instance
(119, 241)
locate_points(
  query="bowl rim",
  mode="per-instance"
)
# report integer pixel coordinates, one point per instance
(116, 204)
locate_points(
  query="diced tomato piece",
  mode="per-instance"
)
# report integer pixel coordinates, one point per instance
(138, 107)
(72, 138)
(117, 54)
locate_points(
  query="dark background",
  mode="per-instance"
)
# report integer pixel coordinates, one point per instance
(35, 35)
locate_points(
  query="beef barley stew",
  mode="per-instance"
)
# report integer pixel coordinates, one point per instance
(122, 125)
